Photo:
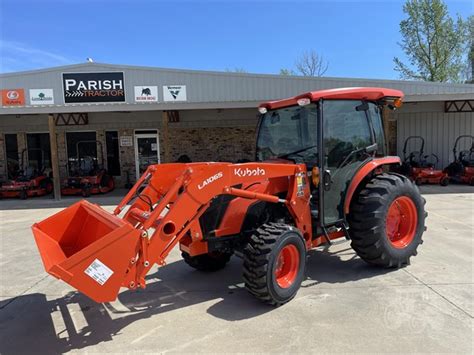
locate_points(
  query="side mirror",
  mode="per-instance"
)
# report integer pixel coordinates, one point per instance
(371, 148)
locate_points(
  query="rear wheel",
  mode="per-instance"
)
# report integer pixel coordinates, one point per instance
(444, 181)
(274, 263)
(207, 262)
(23, 195)
(387, 221)
(86, 191)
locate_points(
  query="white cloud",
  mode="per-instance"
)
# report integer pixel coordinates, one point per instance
(16, 56)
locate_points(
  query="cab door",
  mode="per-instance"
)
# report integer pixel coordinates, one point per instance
(346, 133)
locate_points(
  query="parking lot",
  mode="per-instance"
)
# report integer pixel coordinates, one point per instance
(344, 305)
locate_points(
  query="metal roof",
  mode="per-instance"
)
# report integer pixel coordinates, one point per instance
(207, 89)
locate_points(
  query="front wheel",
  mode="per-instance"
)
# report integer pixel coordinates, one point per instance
(274, 263)
(387, 221)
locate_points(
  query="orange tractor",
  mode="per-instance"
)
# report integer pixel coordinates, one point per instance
(320, 174)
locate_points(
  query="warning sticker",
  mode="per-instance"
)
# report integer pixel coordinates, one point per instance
(99, 271)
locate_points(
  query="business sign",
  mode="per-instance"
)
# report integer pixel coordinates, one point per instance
(41, 97)
(126, 141)
(93, 87)
(146, 93)
(174, 93)
(13, 97)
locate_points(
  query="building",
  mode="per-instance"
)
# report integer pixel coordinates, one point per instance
(143, 115)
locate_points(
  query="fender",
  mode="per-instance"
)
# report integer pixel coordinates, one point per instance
(363, 172)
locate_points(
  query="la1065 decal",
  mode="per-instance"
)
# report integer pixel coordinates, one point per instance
(210, 180)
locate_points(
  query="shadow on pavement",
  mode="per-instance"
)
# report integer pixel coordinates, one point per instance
(37, 323)
(450, 189)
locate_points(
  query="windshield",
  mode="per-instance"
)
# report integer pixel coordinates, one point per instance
(288, 131)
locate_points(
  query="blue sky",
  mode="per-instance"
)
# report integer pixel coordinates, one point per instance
(358, 38)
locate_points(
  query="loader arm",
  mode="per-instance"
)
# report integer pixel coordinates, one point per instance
(181, 193)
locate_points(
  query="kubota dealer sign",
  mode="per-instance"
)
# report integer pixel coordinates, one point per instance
(93, 87)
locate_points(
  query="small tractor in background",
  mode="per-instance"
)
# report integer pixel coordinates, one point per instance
(87, 176)
(30, 181)
(461, 170)
(421, 168)
(321, 173)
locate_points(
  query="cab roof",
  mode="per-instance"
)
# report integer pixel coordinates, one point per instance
(356, 93)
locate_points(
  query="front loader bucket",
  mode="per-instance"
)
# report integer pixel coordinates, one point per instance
(88, 248)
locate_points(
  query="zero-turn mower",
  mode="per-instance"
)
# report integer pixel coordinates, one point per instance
(31, 180)
(422, 168)
(461, 170)
(321, 173)
(88, 177)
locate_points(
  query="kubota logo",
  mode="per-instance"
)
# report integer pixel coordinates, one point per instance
(13, 95)
(249, 172)
(209, 180)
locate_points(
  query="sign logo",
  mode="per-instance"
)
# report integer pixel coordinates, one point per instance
(146, 93)
(210, 179)
(93, 87)
(13, 97)
(174, 93)
(41, 97)
(249, 172)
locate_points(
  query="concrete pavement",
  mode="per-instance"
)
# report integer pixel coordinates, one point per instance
(343, 306)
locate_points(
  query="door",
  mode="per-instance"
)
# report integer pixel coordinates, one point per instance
(346, 132)
(146, 150)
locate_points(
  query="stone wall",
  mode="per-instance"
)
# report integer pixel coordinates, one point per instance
(212, 144)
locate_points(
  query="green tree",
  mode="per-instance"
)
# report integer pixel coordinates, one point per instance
(470, 50)
(41, 95)
(284, 71)
(433, 42)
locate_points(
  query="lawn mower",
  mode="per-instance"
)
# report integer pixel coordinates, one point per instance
(319, 175)
(87, 175)
(421, 168)
(30, 181)
(461, 170)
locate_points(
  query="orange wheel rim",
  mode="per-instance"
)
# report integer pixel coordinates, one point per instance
(288, 262)
(401, 223)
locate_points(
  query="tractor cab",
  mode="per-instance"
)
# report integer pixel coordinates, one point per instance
(334, 138)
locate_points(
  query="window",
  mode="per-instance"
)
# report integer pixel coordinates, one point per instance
(39, 151)
(11, 148)
(87, 145)
(287, 132)
(376, 119)
(345, 130)
(112, 146)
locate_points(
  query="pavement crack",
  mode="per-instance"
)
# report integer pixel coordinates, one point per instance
(21, 294)
(439, 294)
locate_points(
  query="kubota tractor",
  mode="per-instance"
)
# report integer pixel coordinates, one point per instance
(461, 170)
(87, 176)
(320, 174)
(31, 180)
(422, 168)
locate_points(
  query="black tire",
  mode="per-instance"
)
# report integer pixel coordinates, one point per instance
(419, 181)
(86, 191)
(261, 258)
(23, 195)
(207, 262)
(368, 218)
(444, 181)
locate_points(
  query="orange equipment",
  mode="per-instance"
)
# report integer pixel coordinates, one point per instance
(87, 176)
(422, 168)
(31, 181)
(461, 170)
(319, 175)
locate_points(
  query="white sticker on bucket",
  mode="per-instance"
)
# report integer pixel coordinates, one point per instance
(99, 271)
